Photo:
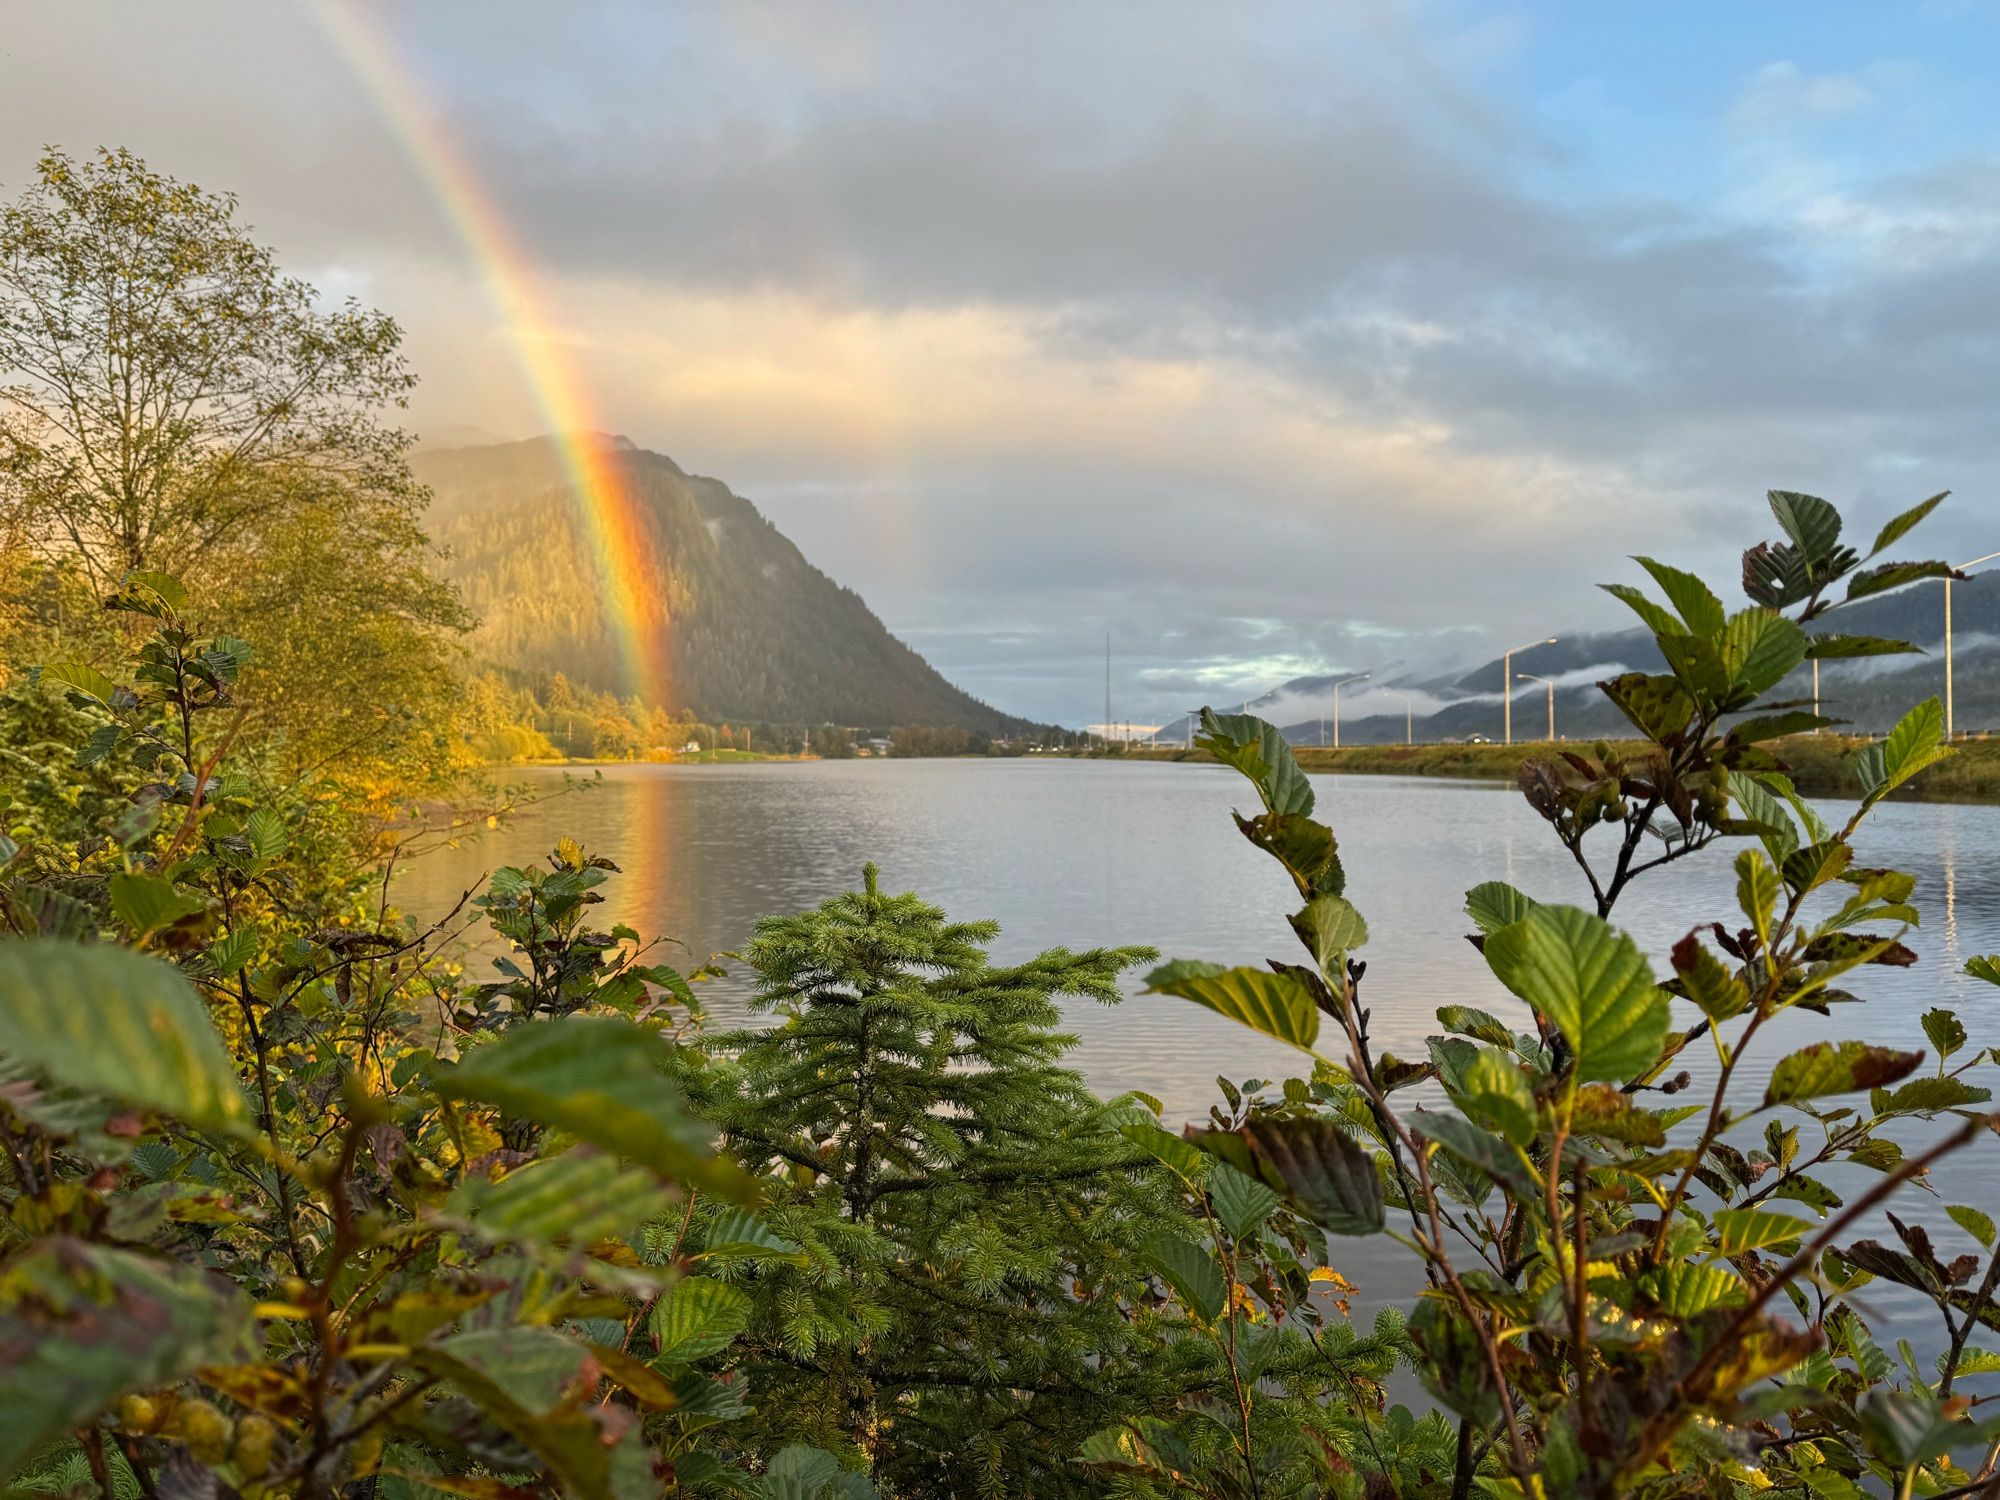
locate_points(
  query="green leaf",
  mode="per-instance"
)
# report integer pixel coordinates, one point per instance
(1331, 929)
(80, 678)
(577, 1198)
(698, 1317)
(147, 904)
(1945, 1030)
(82, 1325)
(1496, 1094)
(603, 1080)
(113, 1022)
(1811, 523)
(742, 1234)
(1475, 1145)
(1188, 1269)
(1777, 726)
(1696, 602)
(1973, 1222)
(1902, 525)
(1915, 742)
(1278, 1005)
(1168, 1149)
(1838, 647)
(1759, 650)
(1774, 826)
(266, 833)
(1741, 1229)
(1714, 988)
(1872, 581)
(1658, 619)
(1241, 1202)
(1836, 1068)
(1757, 892)
(1470, 1021)
(168, 589)
(1986, 967)
(1306, 849)
(1657, 705)
(1495, 905)
(1689, 1289)
(1259, 751)
(1926, 1096)
(1312, 1163)
(1906, 1428)
(1591, 981)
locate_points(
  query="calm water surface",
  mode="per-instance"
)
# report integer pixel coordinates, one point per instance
(1082, 853)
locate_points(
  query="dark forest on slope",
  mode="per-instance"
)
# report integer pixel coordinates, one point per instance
(759, 633)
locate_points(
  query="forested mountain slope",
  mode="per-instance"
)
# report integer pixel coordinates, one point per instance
(758, 632)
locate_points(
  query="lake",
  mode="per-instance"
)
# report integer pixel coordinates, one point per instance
(1087, 853)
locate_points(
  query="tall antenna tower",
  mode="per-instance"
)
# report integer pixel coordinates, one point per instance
(1107, 686)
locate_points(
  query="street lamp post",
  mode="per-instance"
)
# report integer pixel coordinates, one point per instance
(1507, 684)
(1340, 683)
(1549, 683)
(1947, 636)
(1409, 721)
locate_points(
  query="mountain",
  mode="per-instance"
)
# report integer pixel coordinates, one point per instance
(757, 633)
(1870, 694)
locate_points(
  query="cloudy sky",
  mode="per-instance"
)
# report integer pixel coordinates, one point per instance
(1273, 339)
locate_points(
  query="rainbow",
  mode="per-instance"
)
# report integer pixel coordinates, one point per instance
(612, 514)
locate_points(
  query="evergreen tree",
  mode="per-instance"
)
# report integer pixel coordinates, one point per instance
(966, 1301)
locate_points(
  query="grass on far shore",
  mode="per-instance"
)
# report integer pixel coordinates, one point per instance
(1822, 764)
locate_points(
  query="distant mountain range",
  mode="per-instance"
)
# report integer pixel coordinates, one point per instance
(1869, 694)
(758, 633)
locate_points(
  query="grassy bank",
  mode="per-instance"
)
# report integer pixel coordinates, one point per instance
(1822, 765)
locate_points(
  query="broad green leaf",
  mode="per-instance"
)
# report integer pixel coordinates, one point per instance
(147, 904)
(1696, 602)
(1307, 850)
(577, 1198)
(1986, 967)
(1775, 829)
(535, 1385)
(1945, 1030)
(697, 1318)
(1755, 731)
(1905, 1428)
(1657, 705)
(1880, 580)
(1659, 619)
(603, 1080)
(1495, 1093)
(1759, 650)
(1259, 751)
(1915, 742)
(113, 1022)
(1902, 525)
(266, 833)
(1807, 869)
(1278, 1005)
(1688, 1290)
(1495, 905)
(1470, 1021)
(82, 1325)
(168, 589)
(1312, 1163)
(1476, 1146)
(80, 678)
(1332, 929)
(1591, 981)
(1741, 1229)
(1973, 1222)
(742, 1234)
(1811, 523)
(1836, 1068)
(1757, 892)
(1716, 990)
(1926, 1096)
(1173, 1153)
(1241, 1202)
(1189, 1270)
(1837, 647)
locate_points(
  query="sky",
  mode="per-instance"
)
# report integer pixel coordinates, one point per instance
(1273, 339)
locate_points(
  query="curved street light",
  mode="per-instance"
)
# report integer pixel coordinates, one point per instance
(1550, 684)
(1337, 686)
(1947, 637)
(1507, 684)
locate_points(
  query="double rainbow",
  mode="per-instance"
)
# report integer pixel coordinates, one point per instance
(613, 518)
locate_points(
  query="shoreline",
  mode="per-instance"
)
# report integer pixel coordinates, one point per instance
(1821, 765)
